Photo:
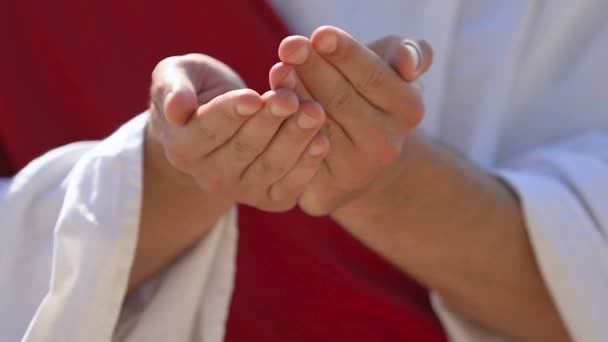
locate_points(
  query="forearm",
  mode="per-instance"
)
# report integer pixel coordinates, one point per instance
(175, 214)
(462, 234)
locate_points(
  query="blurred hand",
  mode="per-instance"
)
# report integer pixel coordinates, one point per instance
(207, 131)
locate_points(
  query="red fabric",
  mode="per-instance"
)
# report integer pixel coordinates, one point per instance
(74, 70)
(301, 278)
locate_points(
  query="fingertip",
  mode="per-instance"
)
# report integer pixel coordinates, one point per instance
(179, 105)
(416, 61)
(282, 75)
(319, 145)
(403, 62)
(248, 101)
(327, 29)
(313, 109)
(275, 75)
(325, 39)
(294, 50)
(409, 63)
(281, 102)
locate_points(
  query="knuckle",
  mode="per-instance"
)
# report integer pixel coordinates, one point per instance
(373, 78)
(209, 135)
(164, 63)
(269, 169)
(341, 98)
(244, 150)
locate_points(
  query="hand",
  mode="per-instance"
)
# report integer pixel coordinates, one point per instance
(431, 213)
(370, 105)
(237, 145)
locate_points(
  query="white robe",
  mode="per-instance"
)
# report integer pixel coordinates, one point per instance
(517, 86)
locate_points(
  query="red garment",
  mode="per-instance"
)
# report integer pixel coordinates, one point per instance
(74, 70)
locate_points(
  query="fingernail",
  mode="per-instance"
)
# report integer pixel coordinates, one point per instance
(327, 44)
(276, 110)
(307, 121)
(290, 80)
(299, 56)
(414, 51)
(244, 109)
(316, 150)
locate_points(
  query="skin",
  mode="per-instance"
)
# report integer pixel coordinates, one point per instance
(217, 145)
(367, 133)
(428, 211)
(177, 191)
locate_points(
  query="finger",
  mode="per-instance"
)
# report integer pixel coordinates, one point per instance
(213, 124)
(411, 58)
(330, 88)
(181, 83)
(179, 105)
(292, 185)
(285, 149)
(421, 53)
(218, 120)
(254, 135)
(368, 73)
(173, 94)
(342, 144)
(282, 75)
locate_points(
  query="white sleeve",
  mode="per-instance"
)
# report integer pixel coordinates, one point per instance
(68, 230)
(563, 190)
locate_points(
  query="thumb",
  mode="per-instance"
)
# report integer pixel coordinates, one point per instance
(172, 94)
(180, 102)
(411, 58)
(181, 83)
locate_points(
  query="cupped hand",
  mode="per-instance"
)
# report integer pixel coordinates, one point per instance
(371, 101)
(207, 130)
